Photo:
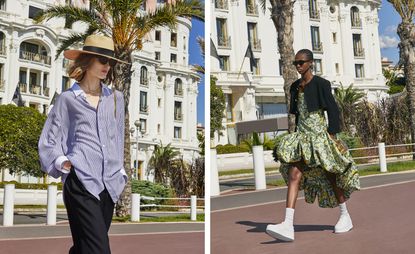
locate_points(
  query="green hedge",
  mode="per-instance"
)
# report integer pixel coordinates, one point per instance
(228, 148)
(150, 189)
(32, 186)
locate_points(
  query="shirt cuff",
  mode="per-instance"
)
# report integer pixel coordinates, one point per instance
(58, 164)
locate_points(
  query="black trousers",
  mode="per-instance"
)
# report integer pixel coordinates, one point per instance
(89, 218)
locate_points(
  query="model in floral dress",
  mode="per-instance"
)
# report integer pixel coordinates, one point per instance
(311, 158)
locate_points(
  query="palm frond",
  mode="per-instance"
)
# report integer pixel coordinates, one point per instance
(201, 41)
(405, 8)
(70, 12)
(73, 39)
(198, 68)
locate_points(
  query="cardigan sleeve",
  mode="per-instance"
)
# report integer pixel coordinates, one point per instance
(50, 141)
(332, 109)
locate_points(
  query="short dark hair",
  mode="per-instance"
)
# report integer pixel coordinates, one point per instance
(306, 52)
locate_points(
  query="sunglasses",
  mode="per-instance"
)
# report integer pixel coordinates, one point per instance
(300, 62)
(104, 60)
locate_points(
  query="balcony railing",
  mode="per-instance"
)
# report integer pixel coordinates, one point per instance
(34, 89)
(144, 109)
(35, 57)
(22, 87)
(252, 9)
(178, 91)
(221, 4)
(2, 48)
(144, 82)
(2, 85)
(256, 44)
(178, 117)
(318, 47)
(359, 52)
(356, 23)
(314, 14)
(224, 42)
(46, 91)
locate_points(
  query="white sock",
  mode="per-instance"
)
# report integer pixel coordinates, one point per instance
(289, 216)
(343, 209)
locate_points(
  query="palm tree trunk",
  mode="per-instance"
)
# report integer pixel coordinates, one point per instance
(406, 32)
(122, 82)
(282, 16)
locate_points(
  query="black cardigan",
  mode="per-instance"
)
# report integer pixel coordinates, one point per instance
(317, 95)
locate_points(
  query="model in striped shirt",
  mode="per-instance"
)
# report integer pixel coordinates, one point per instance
(83, 142)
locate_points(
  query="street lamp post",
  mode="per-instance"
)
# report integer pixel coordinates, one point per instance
(138, 126)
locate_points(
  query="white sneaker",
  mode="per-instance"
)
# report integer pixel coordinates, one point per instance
(344, 224)
(281, 231)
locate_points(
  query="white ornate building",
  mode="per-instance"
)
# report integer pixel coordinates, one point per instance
(163, 90)
(343, 36)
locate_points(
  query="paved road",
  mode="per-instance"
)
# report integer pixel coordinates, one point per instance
(40, 217)
(154, 238)
(382, 214)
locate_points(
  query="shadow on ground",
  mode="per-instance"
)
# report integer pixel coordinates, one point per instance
(260, 227)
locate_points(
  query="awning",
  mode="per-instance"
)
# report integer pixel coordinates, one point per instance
(263, 125)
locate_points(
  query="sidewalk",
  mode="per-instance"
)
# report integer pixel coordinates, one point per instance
(246, 215)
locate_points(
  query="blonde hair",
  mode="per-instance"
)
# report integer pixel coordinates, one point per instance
(77, 69)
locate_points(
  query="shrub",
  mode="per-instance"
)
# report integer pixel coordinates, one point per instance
(228, 148)
(147, 188)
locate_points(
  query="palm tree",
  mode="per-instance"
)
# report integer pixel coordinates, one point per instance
(282, 16)
(128, 25)
(199, 68)
(161, 161)
(406, 32)
(348, 100)
(267, 143)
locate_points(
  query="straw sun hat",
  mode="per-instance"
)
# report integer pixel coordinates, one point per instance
(96, 45)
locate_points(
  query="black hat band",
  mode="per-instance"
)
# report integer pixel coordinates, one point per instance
(98, 50)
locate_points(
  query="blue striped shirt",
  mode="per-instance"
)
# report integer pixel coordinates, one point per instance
(91, 139)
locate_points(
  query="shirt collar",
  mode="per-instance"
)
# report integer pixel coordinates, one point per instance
(77, 90)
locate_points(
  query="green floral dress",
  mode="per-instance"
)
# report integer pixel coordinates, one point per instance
(312, 146)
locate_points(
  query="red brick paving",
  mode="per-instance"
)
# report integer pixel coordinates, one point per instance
(170, 243)
(383, 217)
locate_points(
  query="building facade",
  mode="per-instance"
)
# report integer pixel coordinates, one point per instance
(163, 89)
(343, 36)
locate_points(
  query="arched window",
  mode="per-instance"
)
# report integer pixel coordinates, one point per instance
(178, 89)
(143, 76)
(355, 17)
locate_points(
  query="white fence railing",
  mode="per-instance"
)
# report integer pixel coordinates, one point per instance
(52, 195)
(136, 205)
(380, 157)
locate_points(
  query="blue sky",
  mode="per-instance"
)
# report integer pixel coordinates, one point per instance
(198, 29)
(389, 19)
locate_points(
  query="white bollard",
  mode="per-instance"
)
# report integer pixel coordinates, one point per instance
(382, 158)
(51, 209)
(259, 167)
(135, 207)
(214, 175)
(8, 204)
(193, 207)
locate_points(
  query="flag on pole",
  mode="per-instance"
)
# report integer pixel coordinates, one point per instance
(54, 98)
(213, 51)
(17, 97)
(250, 55)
